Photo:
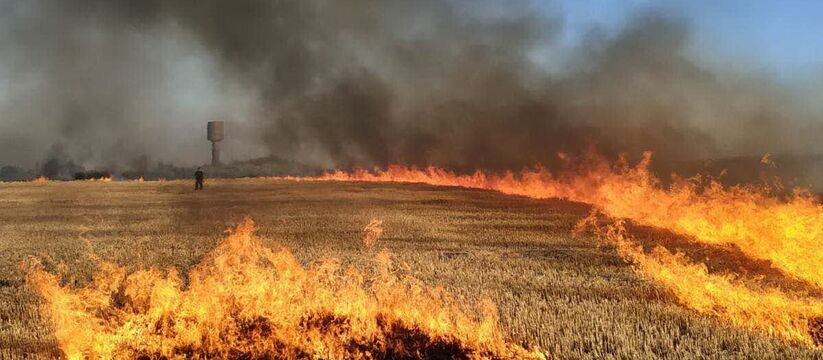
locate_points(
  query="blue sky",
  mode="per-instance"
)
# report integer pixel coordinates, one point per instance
(780, 37)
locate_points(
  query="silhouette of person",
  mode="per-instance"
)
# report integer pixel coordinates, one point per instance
(198, 179)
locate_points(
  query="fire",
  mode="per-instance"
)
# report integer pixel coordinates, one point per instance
(244, 300)
(787, 231)
(40, 179)
(788, 315)
(102, 179)
(372, 232)
(767, 160)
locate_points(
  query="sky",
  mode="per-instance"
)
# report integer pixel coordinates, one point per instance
(778, 37)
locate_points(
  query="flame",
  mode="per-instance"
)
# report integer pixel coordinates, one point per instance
(767, 309)
(372, 232)
(40, 179)
(767, 160)
(102, 179)
(244, 300)
(787, 231)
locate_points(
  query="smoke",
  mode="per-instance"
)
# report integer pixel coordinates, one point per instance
(343, 83)
(108, 90)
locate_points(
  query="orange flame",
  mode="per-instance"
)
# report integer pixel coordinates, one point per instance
(788, 232)
(247, 301)
(372, 232)
(767, 309)
(102, 179)
(40, 179)
(767, 160)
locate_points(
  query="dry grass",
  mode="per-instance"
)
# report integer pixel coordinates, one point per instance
(570, 296)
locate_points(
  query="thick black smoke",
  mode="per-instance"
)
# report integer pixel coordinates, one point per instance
(343, 83)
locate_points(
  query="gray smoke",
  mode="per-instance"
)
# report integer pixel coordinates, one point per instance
(343, 83)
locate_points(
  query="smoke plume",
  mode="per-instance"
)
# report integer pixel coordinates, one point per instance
(454, 83)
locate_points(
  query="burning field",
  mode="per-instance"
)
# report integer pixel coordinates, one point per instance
(245, 301)
(492, 193)
(359, 265)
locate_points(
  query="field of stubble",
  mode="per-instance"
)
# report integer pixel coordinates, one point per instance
(572, 296)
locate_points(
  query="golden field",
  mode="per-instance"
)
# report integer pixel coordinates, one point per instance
(574, 297)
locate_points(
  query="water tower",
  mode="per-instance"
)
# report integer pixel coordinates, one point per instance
(215, 134)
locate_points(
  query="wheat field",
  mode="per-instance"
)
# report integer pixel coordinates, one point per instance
(572, 296)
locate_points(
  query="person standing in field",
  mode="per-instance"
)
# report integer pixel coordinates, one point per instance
(198, 179)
